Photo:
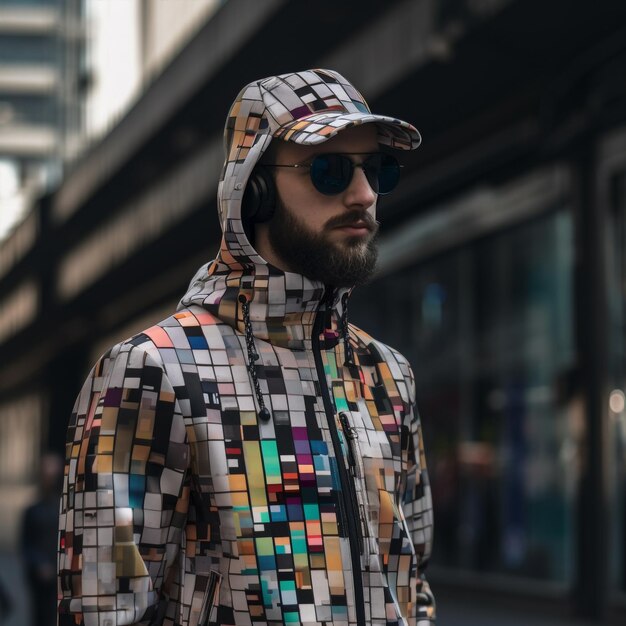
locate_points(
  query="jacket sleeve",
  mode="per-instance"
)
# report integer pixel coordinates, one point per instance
(416, 497)
(125, 495)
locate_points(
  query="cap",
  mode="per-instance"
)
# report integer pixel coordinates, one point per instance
(312, 106)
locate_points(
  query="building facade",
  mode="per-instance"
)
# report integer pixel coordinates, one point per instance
(41, 81)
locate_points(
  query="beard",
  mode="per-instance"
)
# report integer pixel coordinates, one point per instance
(314, 255)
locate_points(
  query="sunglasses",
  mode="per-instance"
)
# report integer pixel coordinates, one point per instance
(331, 173)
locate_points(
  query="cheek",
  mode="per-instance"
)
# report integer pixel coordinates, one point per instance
(315, 216)
(293, 189)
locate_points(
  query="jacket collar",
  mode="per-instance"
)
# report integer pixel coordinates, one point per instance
(283, 305)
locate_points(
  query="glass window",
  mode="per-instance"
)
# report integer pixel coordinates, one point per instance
(28, 109)
(44, 3)
(488, 329)
(20, 48)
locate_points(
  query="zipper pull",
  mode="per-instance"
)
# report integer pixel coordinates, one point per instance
(350, 434)
(349, 431)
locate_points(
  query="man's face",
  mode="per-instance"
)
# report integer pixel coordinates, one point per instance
(327, 238)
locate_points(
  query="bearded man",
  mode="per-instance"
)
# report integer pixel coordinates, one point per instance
(255, 458)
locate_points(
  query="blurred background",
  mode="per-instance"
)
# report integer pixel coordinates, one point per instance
(502, 274)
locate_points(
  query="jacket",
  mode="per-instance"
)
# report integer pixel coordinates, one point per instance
(252, 459)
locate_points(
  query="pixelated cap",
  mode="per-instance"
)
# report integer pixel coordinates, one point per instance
(307, 108)
(310, 107)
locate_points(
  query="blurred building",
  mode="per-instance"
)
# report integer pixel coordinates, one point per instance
(41, 49)
(502, 271)
(41, 79)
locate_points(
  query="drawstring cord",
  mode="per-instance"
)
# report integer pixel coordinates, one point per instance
(253, 356)
(349, 360)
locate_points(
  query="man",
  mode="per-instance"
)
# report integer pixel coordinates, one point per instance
(256, 459)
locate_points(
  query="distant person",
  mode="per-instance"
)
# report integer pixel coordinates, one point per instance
(255, 458)
(40, 525)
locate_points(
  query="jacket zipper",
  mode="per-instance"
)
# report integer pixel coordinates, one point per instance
(349, 434)
(348, 494)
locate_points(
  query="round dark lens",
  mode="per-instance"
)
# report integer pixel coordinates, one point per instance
(388, 174)
(331, 173)
(371, 168)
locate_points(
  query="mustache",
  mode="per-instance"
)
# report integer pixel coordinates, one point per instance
(350, 218)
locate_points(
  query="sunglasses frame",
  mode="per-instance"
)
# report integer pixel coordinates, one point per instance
(308, 164)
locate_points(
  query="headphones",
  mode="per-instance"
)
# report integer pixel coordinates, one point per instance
(259, 198)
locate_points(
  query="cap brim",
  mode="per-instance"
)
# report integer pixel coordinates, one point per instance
(320, 127)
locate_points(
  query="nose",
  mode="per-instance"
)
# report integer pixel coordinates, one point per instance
(359, 192)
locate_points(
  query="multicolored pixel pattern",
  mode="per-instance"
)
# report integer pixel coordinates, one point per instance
(183, 507)
(174, 484)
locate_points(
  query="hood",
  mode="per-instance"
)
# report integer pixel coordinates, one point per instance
(307, 108)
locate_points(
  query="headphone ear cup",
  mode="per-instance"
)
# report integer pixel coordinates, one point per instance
(259, 199)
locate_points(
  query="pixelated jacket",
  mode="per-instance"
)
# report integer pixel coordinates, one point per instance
(252, 459)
